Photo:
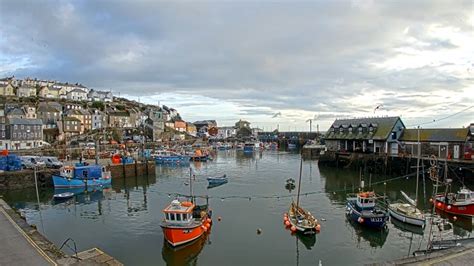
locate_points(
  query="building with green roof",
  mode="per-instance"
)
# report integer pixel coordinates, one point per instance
(368, 135)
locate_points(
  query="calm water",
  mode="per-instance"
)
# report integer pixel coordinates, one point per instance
(124, 220)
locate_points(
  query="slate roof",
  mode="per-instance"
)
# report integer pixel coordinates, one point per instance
(382, 127)
(22, 121)
(436, 135)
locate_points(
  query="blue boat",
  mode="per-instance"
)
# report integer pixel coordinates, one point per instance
(82, 176)
(166, 157)
(362, 209)
(217, 180)
(250, 147)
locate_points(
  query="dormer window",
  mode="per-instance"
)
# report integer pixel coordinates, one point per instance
(360, 130)
(332, 129)
(371, 129)
(341, 129)
(350, 129)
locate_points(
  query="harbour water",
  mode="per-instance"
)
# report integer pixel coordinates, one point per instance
(124, 220)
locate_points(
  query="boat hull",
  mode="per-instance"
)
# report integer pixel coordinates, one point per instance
(63, 182)
(376, 219)
(462, 210)
(184, 160)
(406, 219)
(177, 236)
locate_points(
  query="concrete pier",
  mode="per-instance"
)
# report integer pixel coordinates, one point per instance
(16, 247)
(452, 256)
(22, 244)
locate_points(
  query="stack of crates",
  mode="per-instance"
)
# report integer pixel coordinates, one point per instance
(10, 162)
(13, 162)
(3, 163)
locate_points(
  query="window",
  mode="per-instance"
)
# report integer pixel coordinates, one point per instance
(371, 129)
(360, 130)
(167, 216)
(15, 127)
(22, 127)
(14, 135)
(394, 135)
(350, 129)
(185, 216)
(341, 129)
(172, 216)
(24, 135)
(178, 217)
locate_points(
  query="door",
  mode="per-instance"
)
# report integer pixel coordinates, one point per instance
(456, 152)
(394, 148)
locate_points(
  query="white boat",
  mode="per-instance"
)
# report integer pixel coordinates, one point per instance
(408, 212)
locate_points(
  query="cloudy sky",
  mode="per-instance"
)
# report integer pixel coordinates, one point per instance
(272, 63)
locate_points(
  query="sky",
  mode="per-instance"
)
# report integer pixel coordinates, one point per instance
(273, 63)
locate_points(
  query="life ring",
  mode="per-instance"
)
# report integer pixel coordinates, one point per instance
(41, 178)
(186, 204)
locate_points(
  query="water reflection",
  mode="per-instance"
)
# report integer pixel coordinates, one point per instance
(375, 238)
(462, 226)
(407, 227)
(308, 240)
(186, 254)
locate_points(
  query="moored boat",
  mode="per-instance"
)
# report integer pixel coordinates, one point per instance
(63, 196)
(217, 180)
(407, 212)
(362, 209)
(299, 219)
(82, 176)
(302, 220)
(185, 222)
(460, 203)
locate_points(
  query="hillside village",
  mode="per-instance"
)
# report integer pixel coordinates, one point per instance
(36, 112)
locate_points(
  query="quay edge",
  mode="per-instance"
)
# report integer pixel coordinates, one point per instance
(42, 249)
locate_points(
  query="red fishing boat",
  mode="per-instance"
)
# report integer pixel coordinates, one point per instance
(460, 203)
(185, 222)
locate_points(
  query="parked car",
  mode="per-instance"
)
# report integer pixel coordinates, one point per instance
(30, 162)
(52, 162)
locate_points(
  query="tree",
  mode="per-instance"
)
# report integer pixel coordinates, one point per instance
(117, 135)
(98, 105)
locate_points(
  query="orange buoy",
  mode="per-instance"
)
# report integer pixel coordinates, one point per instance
(208, 220)
(439, 204)
(205, 229)
(287, 223)
(318, 227)
(293, 228)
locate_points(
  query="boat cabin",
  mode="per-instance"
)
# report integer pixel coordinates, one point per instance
(465, 196)
(366, 200)
(179, 212)
(85, 172)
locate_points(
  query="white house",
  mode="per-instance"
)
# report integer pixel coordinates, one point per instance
(100, 96)
(226, 132)
(77, 95)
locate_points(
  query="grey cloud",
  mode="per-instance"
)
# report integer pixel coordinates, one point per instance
(304, 55)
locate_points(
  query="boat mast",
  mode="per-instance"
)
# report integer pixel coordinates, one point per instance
(191, 184)
(299, 184)
(417, 166)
